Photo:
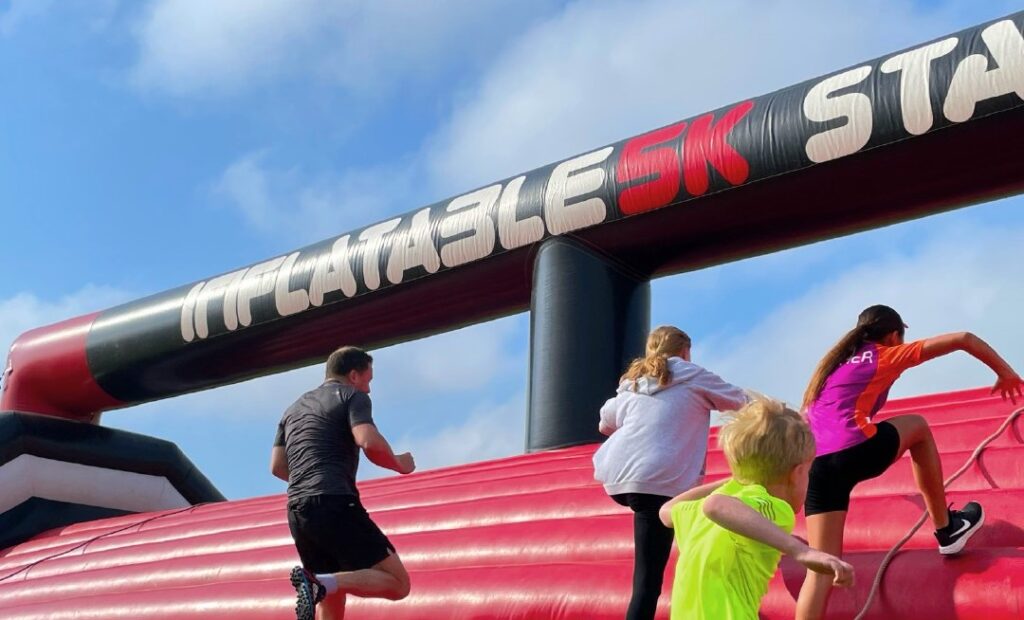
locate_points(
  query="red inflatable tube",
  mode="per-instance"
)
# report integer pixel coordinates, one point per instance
(44, 359)
(532, 536)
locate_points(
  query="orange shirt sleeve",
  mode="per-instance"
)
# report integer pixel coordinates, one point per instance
(892, 361)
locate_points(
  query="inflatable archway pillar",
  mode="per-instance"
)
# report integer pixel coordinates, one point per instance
(589, 316)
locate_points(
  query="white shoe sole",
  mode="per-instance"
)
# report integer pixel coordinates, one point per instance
(958, 546)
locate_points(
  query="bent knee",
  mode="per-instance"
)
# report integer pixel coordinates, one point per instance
(909, 421)
(919, 421)
(911, 428)
(401, 590)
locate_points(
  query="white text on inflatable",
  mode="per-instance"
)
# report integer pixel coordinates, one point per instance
(973, 81)
(465, 230)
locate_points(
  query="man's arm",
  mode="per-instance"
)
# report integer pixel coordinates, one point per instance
(735, 516)
(665, 514)
(279, 463)
(378, 450)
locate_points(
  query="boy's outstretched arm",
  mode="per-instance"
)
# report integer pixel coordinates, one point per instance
(665, 514)
(734, 515)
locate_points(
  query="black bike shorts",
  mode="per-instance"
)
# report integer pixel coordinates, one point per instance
(833, 476)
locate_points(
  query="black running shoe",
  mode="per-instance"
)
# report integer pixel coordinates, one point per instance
(962, 525)
(308, 591)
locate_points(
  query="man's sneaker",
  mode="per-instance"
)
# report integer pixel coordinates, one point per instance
(309, 591)
(962, 525)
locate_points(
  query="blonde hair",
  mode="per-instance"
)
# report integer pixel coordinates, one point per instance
(764, 441)
(663, 342)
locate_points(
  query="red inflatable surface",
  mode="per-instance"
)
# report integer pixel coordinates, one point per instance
(526, 537)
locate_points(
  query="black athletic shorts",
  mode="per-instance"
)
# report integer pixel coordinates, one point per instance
(833, 476)
(334, 533)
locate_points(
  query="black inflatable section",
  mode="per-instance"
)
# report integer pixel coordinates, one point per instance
(38, 515)
(589, 318)
(108, 448)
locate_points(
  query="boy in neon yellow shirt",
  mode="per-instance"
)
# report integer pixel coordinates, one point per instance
(732, 533)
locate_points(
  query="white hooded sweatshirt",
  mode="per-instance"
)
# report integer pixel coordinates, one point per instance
(659, 434)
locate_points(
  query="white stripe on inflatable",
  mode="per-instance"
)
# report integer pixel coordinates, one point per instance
(30, 476)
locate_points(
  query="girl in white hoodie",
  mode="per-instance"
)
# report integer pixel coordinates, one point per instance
(657, 426)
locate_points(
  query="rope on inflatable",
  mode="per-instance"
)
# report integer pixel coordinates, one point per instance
(97, 537)
(913, 530)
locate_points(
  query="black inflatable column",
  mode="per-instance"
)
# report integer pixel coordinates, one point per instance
(589, 317)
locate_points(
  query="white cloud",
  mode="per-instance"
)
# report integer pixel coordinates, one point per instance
(395, 41)
(463, 360)
(602, 71)
(304, 208)
(258, 401)
(593, 73)
(491, 431)
(246, 186)
(24, 311)
(202, 48)
(195, 46)
(450, 365)
(95, 15)
(960, 279)
(20, 11)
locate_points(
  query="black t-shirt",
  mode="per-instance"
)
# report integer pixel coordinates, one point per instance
(316, 432)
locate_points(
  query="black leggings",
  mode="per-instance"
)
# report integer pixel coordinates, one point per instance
(652, 543)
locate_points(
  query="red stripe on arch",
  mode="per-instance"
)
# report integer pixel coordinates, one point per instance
(49, 373)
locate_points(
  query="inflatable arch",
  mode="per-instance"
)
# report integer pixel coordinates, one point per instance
(919, 131)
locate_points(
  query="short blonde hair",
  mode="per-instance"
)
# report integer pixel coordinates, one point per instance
(764, 441)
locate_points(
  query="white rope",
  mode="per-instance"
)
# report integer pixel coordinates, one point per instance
(895, 549)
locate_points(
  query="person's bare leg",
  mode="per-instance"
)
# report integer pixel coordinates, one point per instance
(332, 607)
(916, 436)
(824, 533)
(387, 579)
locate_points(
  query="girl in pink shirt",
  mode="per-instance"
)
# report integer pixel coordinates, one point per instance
(850, 385)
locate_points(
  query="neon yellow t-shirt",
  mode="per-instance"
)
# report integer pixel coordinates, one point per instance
(721, 575)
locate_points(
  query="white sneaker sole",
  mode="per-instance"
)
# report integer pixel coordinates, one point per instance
(958, 546)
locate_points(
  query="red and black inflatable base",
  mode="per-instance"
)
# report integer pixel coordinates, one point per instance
(526, 538)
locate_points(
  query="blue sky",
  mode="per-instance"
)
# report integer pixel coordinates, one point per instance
(150, 144)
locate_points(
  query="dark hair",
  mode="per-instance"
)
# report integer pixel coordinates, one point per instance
(873, 324)
(346, 359)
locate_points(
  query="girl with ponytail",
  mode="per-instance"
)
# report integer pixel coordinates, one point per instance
(850, 385)
(657, 425)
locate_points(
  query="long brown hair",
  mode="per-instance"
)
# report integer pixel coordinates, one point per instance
(662, 343)
(873, 324)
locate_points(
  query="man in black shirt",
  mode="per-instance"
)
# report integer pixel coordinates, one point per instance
(316, 451)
